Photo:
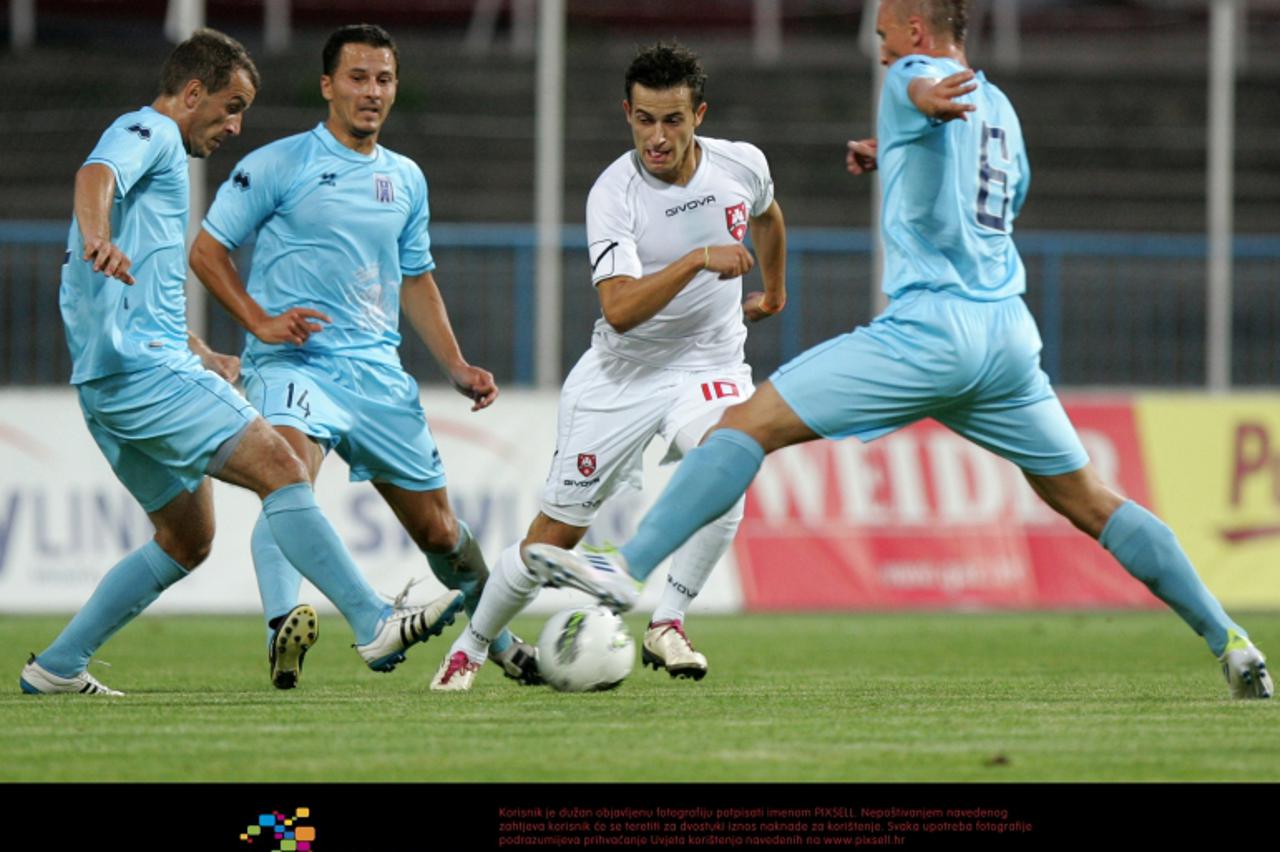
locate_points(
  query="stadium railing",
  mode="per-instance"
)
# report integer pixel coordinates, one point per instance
(1115, 309)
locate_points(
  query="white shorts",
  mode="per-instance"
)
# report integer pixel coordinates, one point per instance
(610, 409)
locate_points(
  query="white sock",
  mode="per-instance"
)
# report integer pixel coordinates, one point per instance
(692, 564)
(510, 588)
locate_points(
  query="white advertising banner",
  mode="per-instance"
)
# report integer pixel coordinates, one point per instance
(65, 520)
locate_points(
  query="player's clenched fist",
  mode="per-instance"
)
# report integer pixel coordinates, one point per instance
(730, 261)
(860, 156)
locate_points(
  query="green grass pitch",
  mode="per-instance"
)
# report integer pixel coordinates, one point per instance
(849, 697)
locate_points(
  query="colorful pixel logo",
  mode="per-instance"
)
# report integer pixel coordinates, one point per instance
(286, 832)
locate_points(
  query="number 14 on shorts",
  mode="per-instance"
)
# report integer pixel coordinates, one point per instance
(300, 402)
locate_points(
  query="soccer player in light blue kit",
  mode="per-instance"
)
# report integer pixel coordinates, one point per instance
(956, 343)
(342, 245)
(164, 421)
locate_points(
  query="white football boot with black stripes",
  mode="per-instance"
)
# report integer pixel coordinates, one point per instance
(408, 626)
(602, 575)
(37, 680)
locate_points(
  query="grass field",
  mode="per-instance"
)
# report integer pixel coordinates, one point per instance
(947, 697)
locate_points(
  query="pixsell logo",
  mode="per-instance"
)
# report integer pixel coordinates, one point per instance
(276, 832)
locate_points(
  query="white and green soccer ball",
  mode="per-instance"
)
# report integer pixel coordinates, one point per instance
(585, 650)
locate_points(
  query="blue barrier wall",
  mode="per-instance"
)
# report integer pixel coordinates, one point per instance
(1114, 309)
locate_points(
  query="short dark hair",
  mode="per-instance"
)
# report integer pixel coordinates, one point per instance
(210, 57)
(370, 34)
(667, 66)
(944, 17)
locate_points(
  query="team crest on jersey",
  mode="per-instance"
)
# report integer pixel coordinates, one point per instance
(735, 218)
(241, 180)
(383, 189)
(586, 463)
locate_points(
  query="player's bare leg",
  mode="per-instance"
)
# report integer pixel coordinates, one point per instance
(1150, 552)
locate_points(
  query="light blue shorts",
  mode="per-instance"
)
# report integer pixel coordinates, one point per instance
(161, 427)
(367, 411)
(972, 366)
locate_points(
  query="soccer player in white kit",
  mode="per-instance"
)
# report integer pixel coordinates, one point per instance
(665, 224)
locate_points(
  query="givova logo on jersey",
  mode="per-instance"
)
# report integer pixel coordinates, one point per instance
(735, 219)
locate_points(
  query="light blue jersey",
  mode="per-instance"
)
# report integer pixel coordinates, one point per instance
(114, 327)
(337, 230)
(956, 342)
(951, 189)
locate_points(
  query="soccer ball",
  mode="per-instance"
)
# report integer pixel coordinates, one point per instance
(585, 650)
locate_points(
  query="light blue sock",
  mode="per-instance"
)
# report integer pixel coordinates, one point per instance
(708, 482)
(126, 590)
(311, 545)
(463, 568)
(278, 581)
(1150, 552)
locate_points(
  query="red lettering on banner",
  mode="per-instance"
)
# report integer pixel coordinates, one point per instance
(924, 518)
(1252, 457)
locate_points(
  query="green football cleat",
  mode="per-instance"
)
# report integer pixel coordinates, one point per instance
(1245, 669)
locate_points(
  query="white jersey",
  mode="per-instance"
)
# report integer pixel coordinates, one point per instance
(638, 224)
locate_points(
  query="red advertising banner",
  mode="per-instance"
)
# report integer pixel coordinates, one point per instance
(924, 519)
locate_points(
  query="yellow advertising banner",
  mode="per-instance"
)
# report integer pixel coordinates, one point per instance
(1213, 467)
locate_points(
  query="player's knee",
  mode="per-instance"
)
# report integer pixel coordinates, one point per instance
(1089, 509)
(189, 548)
(283, 469)
(435, 532)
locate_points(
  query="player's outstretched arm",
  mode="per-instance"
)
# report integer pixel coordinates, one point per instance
(860, 156)
(769, 234)
(626, 302)
(227, 366)
(420, 298)
(212, 264)
(95, 192)
(937, 98)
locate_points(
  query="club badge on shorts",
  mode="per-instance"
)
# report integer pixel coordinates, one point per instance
(586, 463)
(735, 218)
